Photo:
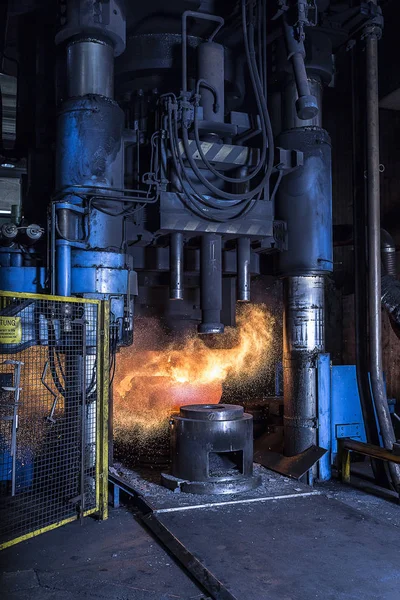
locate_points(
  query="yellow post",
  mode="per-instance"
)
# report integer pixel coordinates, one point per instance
(344, 462)
(103, 383)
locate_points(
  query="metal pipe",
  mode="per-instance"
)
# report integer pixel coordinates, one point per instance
(374, 248)
(360, 260)
(243, 269)
(63, 270)
(306, 104)
(210, 57)
(204, 17)
(176, 266)
(290, 97)
(305, 196)
(303, 341)
(211, 284)
(300, 75)
(90, 67)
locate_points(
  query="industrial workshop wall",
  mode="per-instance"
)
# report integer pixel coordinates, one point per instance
(54, 378)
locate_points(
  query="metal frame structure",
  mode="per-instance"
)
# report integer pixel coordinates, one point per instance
(348, 445)
(102, 392)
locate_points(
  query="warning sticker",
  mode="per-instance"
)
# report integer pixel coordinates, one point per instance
(10, 330)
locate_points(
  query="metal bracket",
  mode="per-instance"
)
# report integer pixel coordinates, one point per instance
(287, 160)
(366, 18)
(50, 416)
(396, 449)
(307, 16)
(72, 207)
(350, 430)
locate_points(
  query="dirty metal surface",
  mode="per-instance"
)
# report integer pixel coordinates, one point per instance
(295, 548)
(148, 484)
(290, 466)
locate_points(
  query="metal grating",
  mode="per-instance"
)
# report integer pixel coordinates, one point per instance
(50, 424)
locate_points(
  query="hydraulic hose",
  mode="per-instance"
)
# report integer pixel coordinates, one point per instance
(193, 204)
(266, 130)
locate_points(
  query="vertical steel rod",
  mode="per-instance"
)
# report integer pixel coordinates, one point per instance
(243, 269)
(374, 250)
(176, 266)
(211, 284)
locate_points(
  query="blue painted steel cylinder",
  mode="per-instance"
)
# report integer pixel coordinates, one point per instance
(100, 272)
(89, 155)
(89, 147)
(304, 201)
(63, 271)
(28, 280)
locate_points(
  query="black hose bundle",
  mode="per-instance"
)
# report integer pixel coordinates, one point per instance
(221, 200)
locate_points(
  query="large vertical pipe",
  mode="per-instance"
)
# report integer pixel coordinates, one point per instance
(243, 269)
(90, 125)
(374, 248)
(90, 65)
(210, 57)
(211, 284)
(305, 203)
(303, 341)
(90, 153)
(360, 259)
(176, 266)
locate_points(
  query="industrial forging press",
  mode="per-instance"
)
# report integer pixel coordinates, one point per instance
(166, 250)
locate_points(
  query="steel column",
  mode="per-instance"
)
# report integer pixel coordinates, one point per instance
(211, 284)
(304, 339)
(374, 248)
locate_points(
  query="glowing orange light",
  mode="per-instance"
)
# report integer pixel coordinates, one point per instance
(149, 385)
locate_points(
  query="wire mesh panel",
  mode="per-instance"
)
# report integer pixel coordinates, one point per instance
(49, 413)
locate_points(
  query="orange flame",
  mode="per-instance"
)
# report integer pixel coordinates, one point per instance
(149, 385)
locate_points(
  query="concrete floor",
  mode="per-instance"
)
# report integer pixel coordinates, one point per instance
(119, 560)
(114, 560)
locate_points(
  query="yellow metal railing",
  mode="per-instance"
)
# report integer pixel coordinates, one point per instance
(51, 469)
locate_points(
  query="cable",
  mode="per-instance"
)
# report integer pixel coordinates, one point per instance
(51, 350)
(260, 41)
(186, 196)
(264, 30)
(70, 190)
(204, 83)
(250, 54)
(200, 204)
(276, 186)
(216, 204)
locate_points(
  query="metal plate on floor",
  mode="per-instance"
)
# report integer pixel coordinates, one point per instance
(290, 466)
(291, 549)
